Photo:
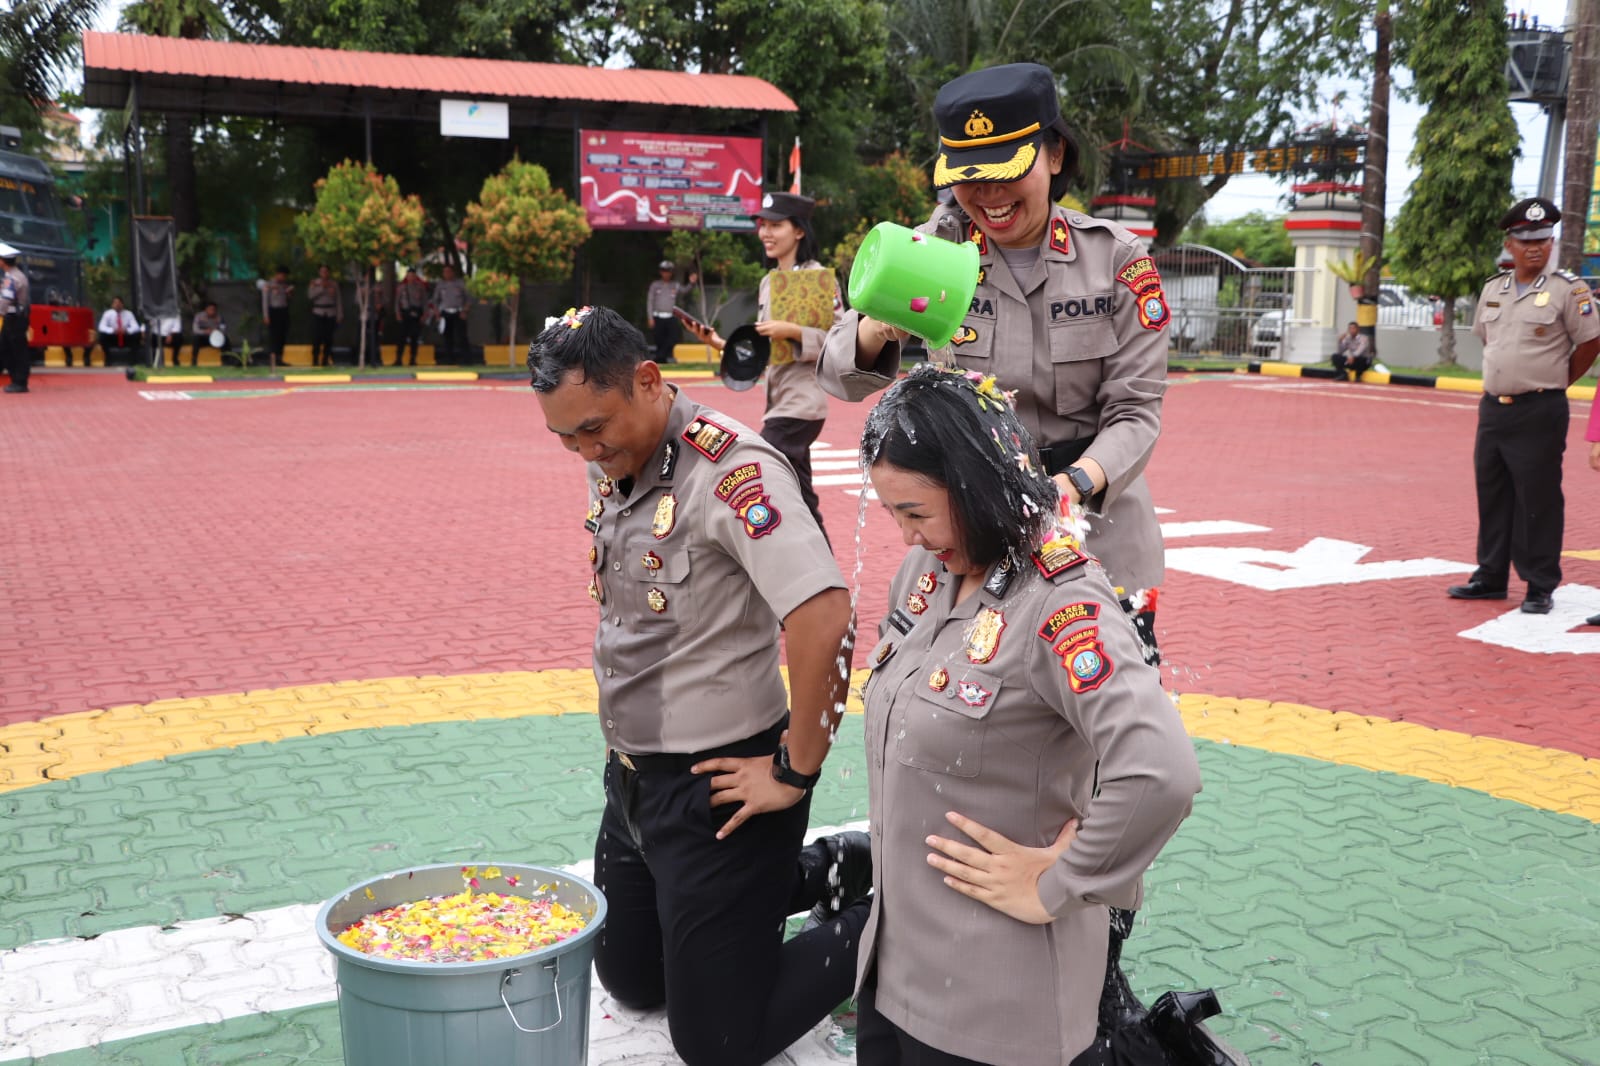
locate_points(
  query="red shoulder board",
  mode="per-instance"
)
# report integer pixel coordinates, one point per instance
(1058, 556)
(708, 438)
(976, 236)
(1059, 240)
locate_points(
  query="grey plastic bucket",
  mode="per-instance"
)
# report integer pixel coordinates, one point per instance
(528, 1010)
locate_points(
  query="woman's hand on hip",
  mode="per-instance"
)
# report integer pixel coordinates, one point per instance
(998, 872)
(748, 782)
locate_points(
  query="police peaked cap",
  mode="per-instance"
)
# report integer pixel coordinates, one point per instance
(1532, 219)
(992, 123)
(8, 252)
(777, 206)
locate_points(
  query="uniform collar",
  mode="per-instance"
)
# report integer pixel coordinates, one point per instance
(663, 467)
(1536, 285)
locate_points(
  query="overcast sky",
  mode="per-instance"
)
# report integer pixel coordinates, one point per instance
(1256, 192)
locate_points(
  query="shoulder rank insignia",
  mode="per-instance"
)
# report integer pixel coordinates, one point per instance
(666, 516)
(760, 517)
(999, 582)
(657, 600)
(1056, 557)
(1567, 275)
(1084, 659)
(669, 461)
(916, 603)
(708, 438)
(591, 521)
(730, 485)
(983, 639)
(976, 236)
(972, 694)
(928, 582)
(1059, 240)
(1063, 617)
(983, 275)
(901, 621)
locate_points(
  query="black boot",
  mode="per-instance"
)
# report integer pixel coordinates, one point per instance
(835, 872)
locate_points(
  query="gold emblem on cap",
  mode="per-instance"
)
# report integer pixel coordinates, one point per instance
(979, 125)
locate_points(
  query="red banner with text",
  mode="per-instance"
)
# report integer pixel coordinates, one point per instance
(632, 180)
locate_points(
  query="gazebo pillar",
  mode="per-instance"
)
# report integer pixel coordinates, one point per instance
(1324, 229)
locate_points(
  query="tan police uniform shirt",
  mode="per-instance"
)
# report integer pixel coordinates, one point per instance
(411, 294)
(278, 294)
(1082, 341)
(662, 296)
(998, 708)
(792, 387)
(1528, 338)
(15, 291)
(693, 570)
(324, 296)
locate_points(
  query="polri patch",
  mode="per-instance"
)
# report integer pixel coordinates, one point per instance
(708, 438)
(758, 514)
(1153, 313)
(1141, 274)
(1063, 617)
(1084, 659)
(729, 485)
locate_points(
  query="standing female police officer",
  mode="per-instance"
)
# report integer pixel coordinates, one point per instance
(1069, 312)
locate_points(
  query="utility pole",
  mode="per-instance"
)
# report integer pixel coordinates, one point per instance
(1583, 96)
(1373, 191)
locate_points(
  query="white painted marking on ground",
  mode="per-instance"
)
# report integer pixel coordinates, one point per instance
(1322, 561)
(64, 995)
(1175, 530)
(1561, 632)
(165, 394)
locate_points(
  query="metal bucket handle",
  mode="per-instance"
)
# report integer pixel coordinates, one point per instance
(554, 966)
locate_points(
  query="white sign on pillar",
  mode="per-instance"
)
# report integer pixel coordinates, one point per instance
(475, 118)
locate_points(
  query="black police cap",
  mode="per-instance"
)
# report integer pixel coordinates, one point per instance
(745, 355)
(1530, 216)
(777, 206)
(992, 123)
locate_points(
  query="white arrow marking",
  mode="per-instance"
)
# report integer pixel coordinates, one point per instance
(1322, 561)
(1556, 633)
(1174, 530)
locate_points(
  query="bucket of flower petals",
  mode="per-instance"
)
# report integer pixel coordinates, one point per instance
(464, 965)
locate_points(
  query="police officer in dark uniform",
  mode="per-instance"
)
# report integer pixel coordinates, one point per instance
(15, 356)
(1540, 330)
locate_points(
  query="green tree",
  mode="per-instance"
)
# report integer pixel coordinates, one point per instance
(1258, 237)
(524, 228)
(895, 190)
(38, 46)
(1445, 240)
(360, 219)
(726, 259)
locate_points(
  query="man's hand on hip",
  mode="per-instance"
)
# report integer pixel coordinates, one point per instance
(749, 782)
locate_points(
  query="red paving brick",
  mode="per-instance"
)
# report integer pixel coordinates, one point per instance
(160, 549)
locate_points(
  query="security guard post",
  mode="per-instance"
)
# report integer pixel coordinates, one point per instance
(1540, 333)
(700, 548)
(15, 356)
(1069, 313)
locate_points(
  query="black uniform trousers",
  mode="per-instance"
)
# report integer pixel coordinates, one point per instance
(665, 334)
(410, 334)
(880, 1042)
(322, 330)
(794, 437)
(1521, 511)
(454, 350)
(277, 331)
(697, 923)
(15, 356)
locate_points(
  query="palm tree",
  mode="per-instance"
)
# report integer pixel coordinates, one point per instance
(39, 43)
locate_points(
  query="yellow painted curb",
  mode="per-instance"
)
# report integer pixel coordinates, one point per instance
(1375, 377)
(69, 745)
(315, 379)
(1279, 370)
(446, 375)
(1458, 384)
(1588, 555)
(180, 379)
(1580, 392)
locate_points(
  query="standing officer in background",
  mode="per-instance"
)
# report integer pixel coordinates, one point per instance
(1540, 331)
(1069, 313)
(327, 311)
(450, 302)
(15, 300)
(275, 297)
(701, 550)
(663, 295)
(410, 301)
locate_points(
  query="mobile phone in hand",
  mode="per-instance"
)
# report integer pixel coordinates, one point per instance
(695, 325)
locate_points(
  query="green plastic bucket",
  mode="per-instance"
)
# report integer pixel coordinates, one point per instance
(526, 1009)
(920, 283)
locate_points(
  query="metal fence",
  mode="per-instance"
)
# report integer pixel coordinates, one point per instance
(1223, 308)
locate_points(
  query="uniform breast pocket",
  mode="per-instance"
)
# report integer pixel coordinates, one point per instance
(1078, 348)
(1540, 322)
(658, 577)
(943, 727)
(974, 340)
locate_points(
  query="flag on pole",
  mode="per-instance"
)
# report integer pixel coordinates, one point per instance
(794, 167)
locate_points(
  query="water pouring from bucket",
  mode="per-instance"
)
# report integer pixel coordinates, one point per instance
(914, 282)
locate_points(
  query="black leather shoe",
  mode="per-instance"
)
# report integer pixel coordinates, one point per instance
(14, 387)
(1537, 603)
(840, 869)
(1473, 590)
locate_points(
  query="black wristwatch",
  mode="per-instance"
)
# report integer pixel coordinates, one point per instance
(788, 774)
(1081, 481)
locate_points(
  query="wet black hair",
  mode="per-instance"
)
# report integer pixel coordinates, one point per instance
(952, 428)
(805, 251)
(596, 340)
